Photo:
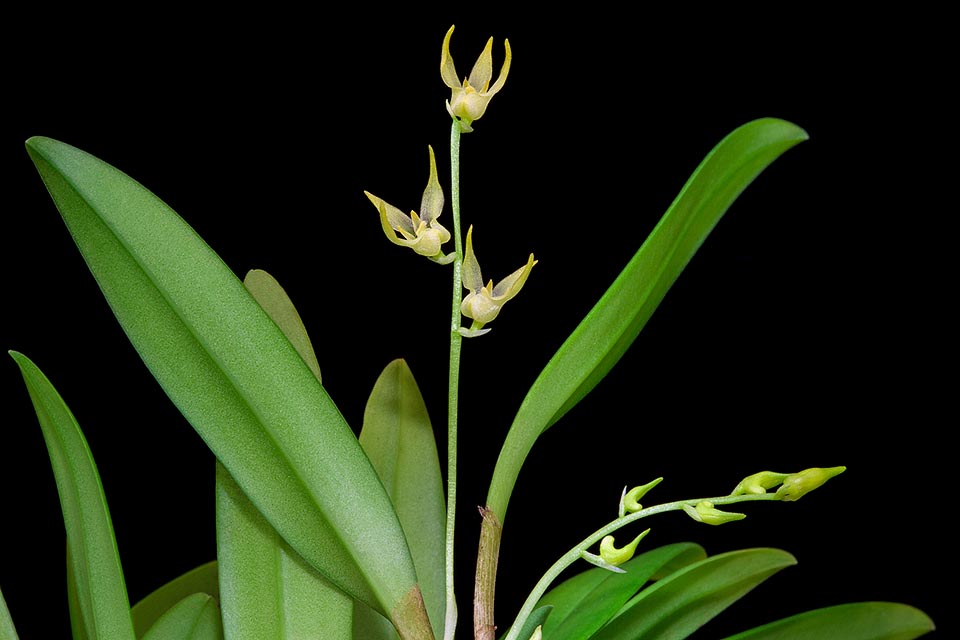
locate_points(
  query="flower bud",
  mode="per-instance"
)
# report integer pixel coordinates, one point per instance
(797, 485)
(706, 513)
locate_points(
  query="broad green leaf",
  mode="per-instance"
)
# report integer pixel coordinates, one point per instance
(202, 579)
(267, 591)
(370, 625)
(237, 380)
(78, 630)
(681, 603)
(615, 321)
(398, 438)
(274, 300)
(7, 630)
(855, 621)
(92, 549)
(196, 617)
(584, 603)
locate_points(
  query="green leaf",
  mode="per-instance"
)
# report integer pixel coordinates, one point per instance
(92, 549)
(7, 630)
(267, 591)
(274, 300)
(615, 321)
(196, 617)
(585, 602)
(681, 603)
(855, 621)
(237, 380)
(398, 438)
(202, 579)
(537, 618)
(370, 625)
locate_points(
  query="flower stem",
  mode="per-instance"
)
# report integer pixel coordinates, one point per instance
(450, 623)
(574, 554)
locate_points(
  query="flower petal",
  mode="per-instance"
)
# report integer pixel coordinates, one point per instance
(392, 220)
(431, 205)
(504, 70)
(471, 277)
(483, 69)
(447, 71)
(511, 285)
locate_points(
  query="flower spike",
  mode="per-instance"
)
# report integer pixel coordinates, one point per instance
(484, 302)
(469, 99)
(422, 232)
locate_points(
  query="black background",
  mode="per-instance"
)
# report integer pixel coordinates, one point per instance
(810, 330)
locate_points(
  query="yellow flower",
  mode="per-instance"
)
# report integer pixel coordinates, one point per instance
(421, 233)
(469, 98)
(484, 302)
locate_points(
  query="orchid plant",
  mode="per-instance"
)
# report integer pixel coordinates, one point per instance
(323, 534)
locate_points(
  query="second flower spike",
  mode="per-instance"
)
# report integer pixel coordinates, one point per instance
(422, 232)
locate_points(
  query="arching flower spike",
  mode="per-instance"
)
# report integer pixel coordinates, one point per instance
(422, 233)
(470, 98)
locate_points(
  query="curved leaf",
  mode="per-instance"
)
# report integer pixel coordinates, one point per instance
(267, 591)
(237, 380)
(615, 321)
(855, 621)
(537, 618)
(196, 617)
(274, 300)
(7, 630)
(584, 603)
(398, 438)
(92, 549)
(681, 603)
(202, 579)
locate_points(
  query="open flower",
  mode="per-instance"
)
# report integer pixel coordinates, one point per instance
(483, 303)
(469, 98)
(422, 233)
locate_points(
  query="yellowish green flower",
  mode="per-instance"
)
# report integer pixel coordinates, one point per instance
(610, 554)
(797, 485)
(484, 302)
(422, 232)
(706, 513)
(629, 501)
(470, 98)
(759, 483)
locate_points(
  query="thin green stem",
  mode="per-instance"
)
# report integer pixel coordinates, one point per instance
(450, 623)
(575, 553)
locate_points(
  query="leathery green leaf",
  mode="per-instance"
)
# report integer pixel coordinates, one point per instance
(854, 621)
(585, 602)
(7, 630)
(202, 579)
(610, 327)
(267, 591)
(681, 603)
(398, 438)
(274, 300)
(92, 549)
(196, 617)
(237, 380)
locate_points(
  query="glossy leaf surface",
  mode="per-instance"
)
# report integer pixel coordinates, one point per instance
(101, 594)
(681, 603)
(237, 380)
(855, 621)
(584, 603)
(398, 438)
(196, 617)
(611, 326)
(202, 579)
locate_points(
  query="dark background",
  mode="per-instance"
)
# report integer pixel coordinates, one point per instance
(810, 330)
